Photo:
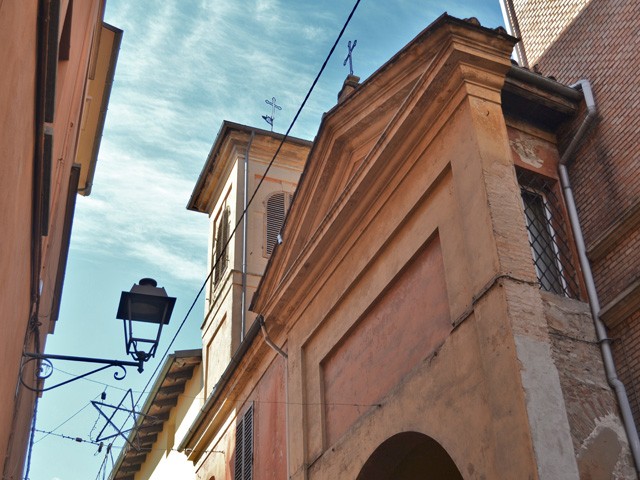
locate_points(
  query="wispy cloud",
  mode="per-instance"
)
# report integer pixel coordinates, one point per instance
(183, 68)
(186, 66)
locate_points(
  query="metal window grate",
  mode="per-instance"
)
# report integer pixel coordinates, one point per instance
(243, 463)
(548, 236)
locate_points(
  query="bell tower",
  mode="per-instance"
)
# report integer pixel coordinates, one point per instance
(239, 176)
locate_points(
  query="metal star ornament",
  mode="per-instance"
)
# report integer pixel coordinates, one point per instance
(132, 414)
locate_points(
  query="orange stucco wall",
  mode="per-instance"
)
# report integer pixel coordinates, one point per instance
(408, 323)
(267, 396)
(17, 84)
(270, 423)
(18, 90)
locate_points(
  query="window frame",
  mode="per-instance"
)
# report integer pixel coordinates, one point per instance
(560, 250)
(219, 269)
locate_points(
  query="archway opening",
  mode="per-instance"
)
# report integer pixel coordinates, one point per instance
(410, 456)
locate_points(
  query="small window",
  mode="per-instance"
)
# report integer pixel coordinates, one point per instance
(548, 236)
(277, 206)
(244, 447)
(221, 256)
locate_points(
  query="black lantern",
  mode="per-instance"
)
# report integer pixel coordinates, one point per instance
(145, 303)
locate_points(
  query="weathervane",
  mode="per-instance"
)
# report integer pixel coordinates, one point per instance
(350, 56)
(270, 119)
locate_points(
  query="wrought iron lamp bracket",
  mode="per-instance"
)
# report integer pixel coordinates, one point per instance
(45, 368)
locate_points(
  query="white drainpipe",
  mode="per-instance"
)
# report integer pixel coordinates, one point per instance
(245, 222)
(594, 302)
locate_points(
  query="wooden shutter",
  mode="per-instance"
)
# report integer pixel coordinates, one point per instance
(248, 445)
(277, 206)
(222, 237)
(244, 447)
(238, 464)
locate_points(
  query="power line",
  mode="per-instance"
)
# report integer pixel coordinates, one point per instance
(97, 382)
(110, 447)
(67, 420)
(244, 212)
(67, 437)
(251, 199)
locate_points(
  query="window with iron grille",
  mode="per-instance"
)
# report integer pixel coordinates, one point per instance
(244, 447)
(221, 249)
(548, 237)
(277, 206)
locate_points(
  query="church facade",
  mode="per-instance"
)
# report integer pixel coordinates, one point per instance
(422, 308)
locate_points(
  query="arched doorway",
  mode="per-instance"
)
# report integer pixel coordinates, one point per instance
(409, 456)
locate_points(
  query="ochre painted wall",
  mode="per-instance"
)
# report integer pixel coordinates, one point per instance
(378, 353)
(18, 23)
(18, 246)
(164, 462)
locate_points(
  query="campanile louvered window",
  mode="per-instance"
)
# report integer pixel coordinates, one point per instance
(244, 447)
(277, 206)
(221, 255)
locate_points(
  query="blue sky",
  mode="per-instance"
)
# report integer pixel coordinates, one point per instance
(184, 67)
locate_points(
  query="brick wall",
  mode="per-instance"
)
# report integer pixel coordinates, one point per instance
(598, 40)
(626, 337)
(543, 22)
(599, 440)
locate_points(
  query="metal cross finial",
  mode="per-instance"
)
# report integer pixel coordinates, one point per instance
(274, 106)
(350, 56)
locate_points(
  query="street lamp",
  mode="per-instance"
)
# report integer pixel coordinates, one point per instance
(145, 304)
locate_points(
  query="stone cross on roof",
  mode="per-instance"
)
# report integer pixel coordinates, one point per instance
(350, 56)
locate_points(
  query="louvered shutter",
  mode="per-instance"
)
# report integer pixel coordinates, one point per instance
(275, 219)
(221, 239)
(248, 445)
(237, 475)
(277, 206)
(243, 463)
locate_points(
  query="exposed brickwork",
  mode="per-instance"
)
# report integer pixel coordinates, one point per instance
(606, 176)
(591, 405)
(541, 24)
(598, 41)
(618, 268)
(626, 338)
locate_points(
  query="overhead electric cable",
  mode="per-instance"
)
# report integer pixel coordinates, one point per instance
(244, 212)
(67, 420)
